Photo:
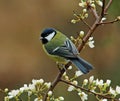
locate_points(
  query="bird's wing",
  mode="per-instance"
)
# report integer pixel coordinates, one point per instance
(67, 50)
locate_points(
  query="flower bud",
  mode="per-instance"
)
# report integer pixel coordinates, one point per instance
(50, 93)
(82, 34)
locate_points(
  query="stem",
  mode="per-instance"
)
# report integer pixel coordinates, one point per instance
(86, 23)
(56, 80)
(108, 5)
(109, 22)
(103, 9)
(87, 90)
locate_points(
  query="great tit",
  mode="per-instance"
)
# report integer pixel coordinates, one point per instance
(61, 49)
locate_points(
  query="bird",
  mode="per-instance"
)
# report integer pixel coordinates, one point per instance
(60, 48)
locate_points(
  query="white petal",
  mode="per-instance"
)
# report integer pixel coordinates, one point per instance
(118, 89)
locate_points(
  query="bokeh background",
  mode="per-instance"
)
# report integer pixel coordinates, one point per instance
(22, 57)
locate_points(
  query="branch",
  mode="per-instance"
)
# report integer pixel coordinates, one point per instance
(103, 9)
(2, 91)
(94, 12)
(107, 6)
(86, 23)
(109, 22)
(56, 80)
(87, 90)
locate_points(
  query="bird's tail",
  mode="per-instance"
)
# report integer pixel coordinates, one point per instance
(83, 65)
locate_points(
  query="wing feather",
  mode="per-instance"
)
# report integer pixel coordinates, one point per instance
(67, 50)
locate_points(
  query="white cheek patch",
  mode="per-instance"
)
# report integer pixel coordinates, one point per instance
(50, 36)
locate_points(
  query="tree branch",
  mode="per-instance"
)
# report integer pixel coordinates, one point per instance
(94, 12)
(86, 23)
(109, 22)
(87, 90)
(103, 9)
(107, 6)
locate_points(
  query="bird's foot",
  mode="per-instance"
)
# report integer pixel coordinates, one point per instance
(60, 66)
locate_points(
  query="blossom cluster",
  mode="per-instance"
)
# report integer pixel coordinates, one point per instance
(79, 40)
(85, 5)
(36, 88)
(92, 3)
(95, 86)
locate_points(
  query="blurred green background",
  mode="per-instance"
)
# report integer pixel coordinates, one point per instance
(22, 57)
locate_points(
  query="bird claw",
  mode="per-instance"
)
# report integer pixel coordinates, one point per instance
(60, 66)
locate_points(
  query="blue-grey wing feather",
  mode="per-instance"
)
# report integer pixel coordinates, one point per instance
(67, 50)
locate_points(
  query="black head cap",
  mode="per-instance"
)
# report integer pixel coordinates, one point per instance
(45, 33)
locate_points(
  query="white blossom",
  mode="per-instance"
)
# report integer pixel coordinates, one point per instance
(97, 82)
(118, 89)
(71, 88)
(78, 73)
(91, 42)
(73, 21)
(85, 82)
(93, 5)
(91, 79)
(47, 84)
(64, 74)
(108, 82)
(6, 90)
(83, 96)
(31, 86)
(13, 93)
(75, 82)
(100, 83)
(84, 10)
(103, 19)
(37, 99)
(61, 98)
(66, 77)
(70, 67)
(41, 81)
(112, 91)
(82, 33)
(82, 4)
(25, 87)
(118, 17)
(86, 15)
(103, 100)
(100, 3)
(90, 38)
(50, 93)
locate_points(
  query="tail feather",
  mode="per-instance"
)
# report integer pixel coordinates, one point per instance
(83, 65)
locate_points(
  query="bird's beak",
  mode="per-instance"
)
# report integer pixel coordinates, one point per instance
(41, 38)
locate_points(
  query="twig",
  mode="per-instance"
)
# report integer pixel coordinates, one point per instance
(90, 32)
(2, 91)
(107, 6)
(109, 22)
(56, 80)
(87, 90)
(103, 9)
(86, 23)
(79, 18)
(94, 12)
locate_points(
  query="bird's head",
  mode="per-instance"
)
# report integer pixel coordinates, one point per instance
(47, 35)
